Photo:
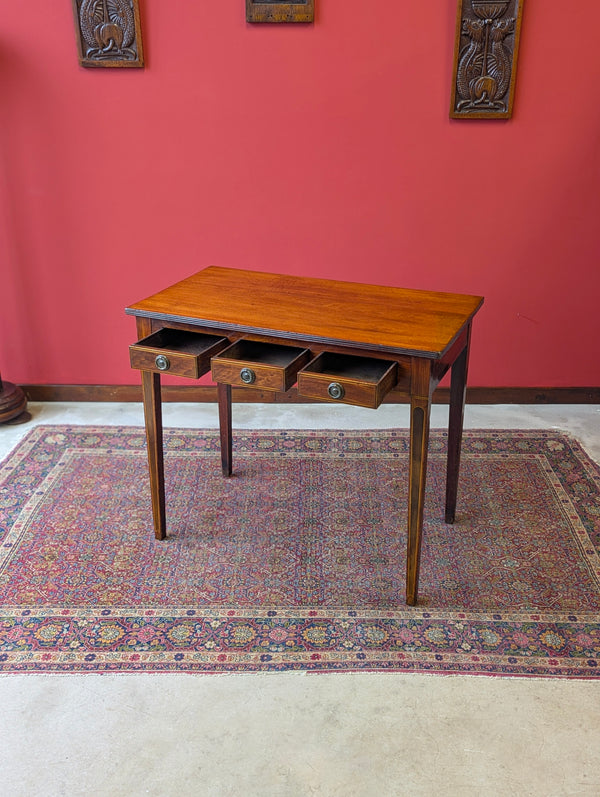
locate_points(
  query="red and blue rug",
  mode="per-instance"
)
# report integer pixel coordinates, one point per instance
(297, 561)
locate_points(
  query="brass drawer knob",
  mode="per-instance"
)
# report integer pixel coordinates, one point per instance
(162, 362)
(247, 376)
(335, 390)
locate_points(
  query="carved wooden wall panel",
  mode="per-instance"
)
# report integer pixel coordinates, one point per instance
(108, 33)
(485, 58)
(300, 11)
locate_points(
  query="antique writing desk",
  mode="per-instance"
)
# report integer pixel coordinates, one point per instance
(340, 341)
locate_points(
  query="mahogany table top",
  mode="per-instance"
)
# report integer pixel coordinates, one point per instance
(379, 318)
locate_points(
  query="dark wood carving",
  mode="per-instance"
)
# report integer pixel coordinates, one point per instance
(13, 403)
(300, 11)
(485, 58)
(108, 33)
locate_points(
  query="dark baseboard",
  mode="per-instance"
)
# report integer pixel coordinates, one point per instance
(208, 393)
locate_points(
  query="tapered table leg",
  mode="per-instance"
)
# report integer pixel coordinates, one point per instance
(224, 399)
(458, 385)
(154, 439)
(420, 410)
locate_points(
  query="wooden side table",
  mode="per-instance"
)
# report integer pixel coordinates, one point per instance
(341, 342)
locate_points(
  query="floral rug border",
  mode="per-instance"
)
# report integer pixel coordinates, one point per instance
(226, 639)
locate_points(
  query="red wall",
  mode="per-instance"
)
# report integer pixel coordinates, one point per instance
(323, 150)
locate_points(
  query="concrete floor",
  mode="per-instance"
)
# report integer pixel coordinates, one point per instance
(290, 735)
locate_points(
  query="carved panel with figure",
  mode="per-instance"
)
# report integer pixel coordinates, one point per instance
(485, 58)
(108, 33)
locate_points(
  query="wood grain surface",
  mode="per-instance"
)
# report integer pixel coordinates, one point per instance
(386, 319)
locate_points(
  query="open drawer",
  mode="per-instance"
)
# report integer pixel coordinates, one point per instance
(348, 378)
(176, 351)
(251, 363)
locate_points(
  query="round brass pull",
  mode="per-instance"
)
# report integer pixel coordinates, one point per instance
(162, 362)
(335, 390)
(247, 376)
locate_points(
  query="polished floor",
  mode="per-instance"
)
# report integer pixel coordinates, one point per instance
(291, 735)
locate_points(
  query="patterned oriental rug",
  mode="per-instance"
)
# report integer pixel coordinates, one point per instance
(297, 561)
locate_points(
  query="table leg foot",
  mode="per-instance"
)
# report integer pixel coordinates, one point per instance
(154, 437)
(419, 440)
(418, 466)
(224, 400)
(458, 385)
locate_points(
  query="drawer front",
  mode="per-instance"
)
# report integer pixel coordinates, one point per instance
(347, 379)
(177, 352)
(266, 366)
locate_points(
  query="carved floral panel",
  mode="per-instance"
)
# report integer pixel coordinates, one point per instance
(485, 58)
(108, 33)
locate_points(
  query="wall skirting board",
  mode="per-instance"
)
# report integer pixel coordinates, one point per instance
(208, 393)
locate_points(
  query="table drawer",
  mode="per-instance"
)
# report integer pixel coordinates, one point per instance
(175, 351)
(250, 363)
(349, 379)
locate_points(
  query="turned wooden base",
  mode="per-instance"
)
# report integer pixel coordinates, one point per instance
(12, 403)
